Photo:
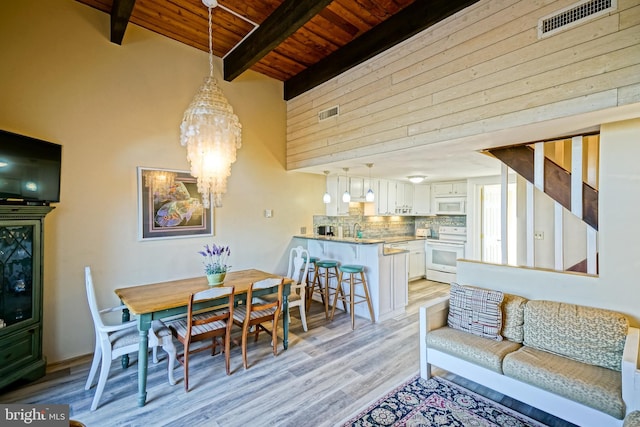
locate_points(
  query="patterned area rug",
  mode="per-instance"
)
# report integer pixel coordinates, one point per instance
(437, 402)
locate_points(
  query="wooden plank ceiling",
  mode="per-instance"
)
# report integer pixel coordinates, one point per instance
(300, 42)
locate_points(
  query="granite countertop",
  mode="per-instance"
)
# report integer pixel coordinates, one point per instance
(361, 241)
(355, 240)
(393, 251)
(398, 239)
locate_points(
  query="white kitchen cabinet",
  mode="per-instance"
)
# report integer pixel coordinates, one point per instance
(385, 200)
(457, 188)
(336, 186)
(356, 189)
(392, 195)
(382, 195)
(343, 185)
(417, 267)
(422, 199)
(404, 198)
(393, 290)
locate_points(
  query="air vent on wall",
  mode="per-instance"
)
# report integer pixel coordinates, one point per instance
(573, 15)
(329, 112)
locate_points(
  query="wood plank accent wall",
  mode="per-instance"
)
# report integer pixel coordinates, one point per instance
(481, 70)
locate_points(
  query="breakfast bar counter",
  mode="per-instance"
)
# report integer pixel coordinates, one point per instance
(386, 269)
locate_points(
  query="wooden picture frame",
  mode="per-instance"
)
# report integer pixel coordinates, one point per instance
(168, 211)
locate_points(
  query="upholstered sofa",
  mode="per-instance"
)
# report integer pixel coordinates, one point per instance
(575, 362)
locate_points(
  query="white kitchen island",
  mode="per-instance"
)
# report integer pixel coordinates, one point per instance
(386, 270)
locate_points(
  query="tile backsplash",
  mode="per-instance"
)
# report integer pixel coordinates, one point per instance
(374, 227)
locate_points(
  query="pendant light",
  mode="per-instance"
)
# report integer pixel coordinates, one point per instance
(211, 132)
(346, 197)
(327, 197)
(370, 197)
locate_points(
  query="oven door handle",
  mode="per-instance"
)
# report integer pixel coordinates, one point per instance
(448, 245)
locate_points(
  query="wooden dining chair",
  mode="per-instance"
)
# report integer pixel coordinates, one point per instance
(114, 341)
(256, 311)
(200, 326)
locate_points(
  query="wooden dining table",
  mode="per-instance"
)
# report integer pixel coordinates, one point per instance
(165, 299)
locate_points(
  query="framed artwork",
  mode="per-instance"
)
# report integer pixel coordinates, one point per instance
(169, 205)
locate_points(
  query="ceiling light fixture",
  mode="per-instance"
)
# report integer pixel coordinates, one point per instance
(370, 197)
(211, 132)
(327, 197)
(346, 197)
(416, 179)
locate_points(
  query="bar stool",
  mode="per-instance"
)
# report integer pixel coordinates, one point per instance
(311, 285)
(327, 270)
(352, 271)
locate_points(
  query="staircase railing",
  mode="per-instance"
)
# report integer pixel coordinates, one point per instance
(567, 188)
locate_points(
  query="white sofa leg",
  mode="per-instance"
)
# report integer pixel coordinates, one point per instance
(425, 368)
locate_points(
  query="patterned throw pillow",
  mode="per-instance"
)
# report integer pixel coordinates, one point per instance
(476, 310)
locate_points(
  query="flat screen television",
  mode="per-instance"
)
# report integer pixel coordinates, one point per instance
(29, 170)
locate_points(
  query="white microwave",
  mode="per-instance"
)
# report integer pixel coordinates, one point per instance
(451, 205)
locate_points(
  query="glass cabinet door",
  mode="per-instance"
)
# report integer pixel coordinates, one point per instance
(17, 274)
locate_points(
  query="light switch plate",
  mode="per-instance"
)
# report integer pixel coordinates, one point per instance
(268, 213)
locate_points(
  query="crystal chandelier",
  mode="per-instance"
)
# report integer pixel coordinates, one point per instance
(211, 132)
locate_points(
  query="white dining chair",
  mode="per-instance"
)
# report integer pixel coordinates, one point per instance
(114, 341)
(298, 271)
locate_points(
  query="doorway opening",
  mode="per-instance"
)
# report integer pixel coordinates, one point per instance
(491, 237)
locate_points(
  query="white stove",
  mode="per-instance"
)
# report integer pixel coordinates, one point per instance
(442, 253)
(452, 234)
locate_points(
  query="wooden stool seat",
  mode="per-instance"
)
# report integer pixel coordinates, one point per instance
(356, 277)
(326, 263)
(351, 268)
(312, 259)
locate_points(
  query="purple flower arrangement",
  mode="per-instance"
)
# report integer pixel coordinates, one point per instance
(215, 258)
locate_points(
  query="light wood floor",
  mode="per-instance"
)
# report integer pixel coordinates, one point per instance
(326, 375)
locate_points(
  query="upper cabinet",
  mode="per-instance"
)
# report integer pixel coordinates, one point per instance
(404, 198)
(449, 198)
(443, 189)
(356, 189)
(385, 198)
(336, 186)
(390, 197)
(422, 199)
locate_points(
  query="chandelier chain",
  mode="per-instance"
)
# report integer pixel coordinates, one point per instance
(210, 46)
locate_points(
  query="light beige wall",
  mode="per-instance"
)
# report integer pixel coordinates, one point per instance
(114, 108)
(482, 70)
(617, 286)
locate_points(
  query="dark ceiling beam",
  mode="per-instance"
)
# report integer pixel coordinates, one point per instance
(120, 15)
(413, 19)
(284, 21)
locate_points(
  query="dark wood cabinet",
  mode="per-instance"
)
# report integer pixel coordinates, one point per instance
(21, 290)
